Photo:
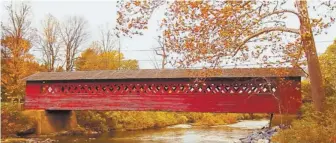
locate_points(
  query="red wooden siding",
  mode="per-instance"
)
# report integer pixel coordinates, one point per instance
(235, 95)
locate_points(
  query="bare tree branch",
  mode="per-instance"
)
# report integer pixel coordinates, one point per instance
(73, 34)
(50, 42)
(107, 41)
(266, 30)
(163, 51)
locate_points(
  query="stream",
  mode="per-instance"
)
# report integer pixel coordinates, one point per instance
(182, 133)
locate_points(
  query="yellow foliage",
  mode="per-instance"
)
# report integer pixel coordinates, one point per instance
(16, 64)
(93, 59)
(316, 127)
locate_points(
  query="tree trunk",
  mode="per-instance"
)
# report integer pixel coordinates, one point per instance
(308, 43)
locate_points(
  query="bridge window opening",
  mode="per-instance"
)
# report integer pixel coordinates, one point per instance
(208, 88)
(227, 88)
(244, 88)
(77, 89)
(56, 89)
(49, 89)
(217, 89)
(152, 88)
(111, 89)
(273, 89)
(191, 89)
(83, 89)
(253, 88)
(72, 88)
(256, 90)
(68, 89)
(222, 88)
(158, 88)
(147, 89)
(62, 89)
(165, 88)
(133, 87)
(181, 87)
(174, 88)
(199, 89)
(117, 87)
(142, 88)
(89, 89)
(96, 88)
(265, 89)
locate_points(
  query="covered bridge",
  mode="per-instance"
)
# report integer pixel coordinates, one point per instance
(245, 90)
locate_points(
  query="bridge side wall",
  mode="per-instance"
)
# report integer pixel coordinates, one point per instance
(235, 95)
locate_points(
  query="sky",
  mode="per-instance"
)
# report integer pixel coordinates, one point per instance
(99, 13)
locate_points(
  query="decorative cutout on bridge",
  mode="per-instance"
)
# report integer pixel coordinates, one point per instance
(155, 88)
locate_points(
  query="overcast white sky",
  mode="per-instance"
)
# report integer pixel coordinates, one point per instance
(101, 12)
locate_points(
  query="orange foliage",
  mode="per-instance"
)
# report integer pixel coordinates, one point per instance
(16, 64)
(224, 26)
(228, 27)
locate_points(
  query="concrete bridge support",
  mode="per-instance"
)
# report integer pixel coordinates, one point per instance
(53, 121)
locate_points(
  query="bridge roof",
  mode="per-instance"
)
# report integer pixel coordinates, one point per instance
(165, 74)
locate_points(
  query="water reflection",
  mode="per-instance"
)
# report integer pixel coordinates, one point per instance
(179, 134)
(190, 135)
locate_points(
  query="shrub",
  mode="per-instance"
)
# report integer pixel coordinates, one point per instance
(102, 121)
(13, 121)
(135, 120)
(92, 120)
(210, 119)
(313, 127)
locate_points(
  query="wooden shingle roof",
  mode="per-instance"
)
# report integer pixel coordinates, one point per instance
(165, 74)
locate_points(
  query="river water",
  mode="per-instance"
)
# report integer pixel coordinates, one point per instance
(183, 133)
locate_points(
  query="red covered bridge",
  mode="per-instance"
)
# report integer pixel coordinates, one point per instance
(259, 90)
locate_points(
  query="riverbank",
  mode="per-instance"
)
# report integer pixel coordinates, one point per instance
(139, 120)
(15, 123)
(184, 133)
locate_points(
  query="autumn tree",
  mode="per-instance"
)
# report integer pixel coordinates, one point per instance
(95, 59)
(73, 34)
(211, 32)
(328, 67)
(16, 62)
(50, 42)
